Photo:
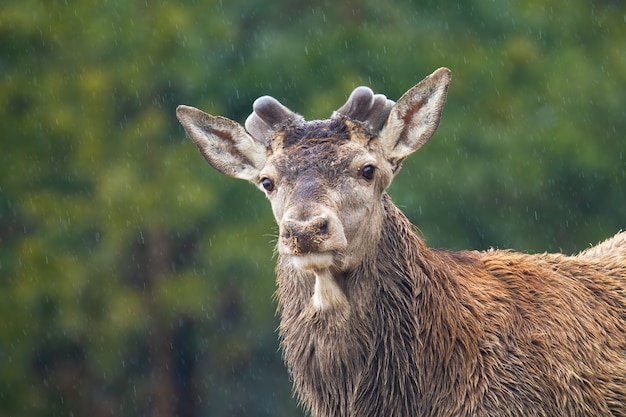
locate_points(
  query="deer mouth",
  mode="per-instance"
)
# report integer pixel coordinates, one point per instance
(312, 260)
(312, 257)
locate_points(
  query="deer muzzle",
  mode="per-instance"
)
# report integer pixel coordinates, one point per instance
(312, 241)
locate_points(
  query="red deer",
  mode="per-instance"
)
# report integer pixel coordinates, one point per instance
(374, 322)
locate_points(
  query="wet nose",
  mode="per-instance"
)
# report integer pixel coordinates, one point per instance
(305, 236)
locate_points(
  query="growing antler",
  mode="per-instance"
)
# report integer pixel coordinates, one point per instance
(266, 115)
(365, 106)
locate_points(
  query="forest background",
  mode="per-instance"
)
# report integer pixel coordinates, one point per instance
(137, 281)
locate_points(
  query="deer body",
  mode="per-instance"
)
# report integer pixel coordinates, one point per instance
(375, 323)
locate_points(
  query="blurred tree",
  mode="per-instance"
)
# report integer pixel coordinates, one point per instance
(134, 280)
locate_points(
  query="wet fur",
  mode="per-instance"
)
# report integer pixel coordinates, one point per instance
(436, 333)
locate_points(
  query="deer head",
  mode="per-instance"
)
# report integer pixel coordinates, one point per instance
(325, 179)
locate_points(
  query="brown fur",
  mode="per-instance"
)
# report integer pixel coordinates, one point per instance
(438, 333)
(376, 324)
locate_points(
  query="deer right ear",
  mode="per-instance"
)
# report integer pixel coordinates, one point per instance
(224, 144)
(414, 118)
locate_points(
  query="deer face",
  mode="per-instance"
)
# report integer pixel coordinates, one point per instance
(324, 179)
(325, 184)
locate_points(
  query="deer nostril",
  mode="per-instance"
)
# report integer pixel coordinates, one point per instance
(323, 226)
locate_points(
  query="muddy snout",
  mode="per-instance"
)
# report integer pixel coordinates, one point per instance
(305, 236)
(311, 234)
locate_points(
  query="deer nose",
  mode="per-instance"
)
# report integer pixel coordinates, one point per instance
(305, 236)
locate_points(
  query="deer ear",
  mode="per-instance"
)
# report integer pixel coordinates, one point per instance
(224, 144)
(415, 117)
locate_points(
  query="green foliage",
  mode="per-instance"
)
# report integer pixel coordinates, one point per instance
(134, 280)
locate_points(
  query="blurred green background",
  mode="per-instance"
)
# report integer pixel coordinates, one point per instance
(137, 281)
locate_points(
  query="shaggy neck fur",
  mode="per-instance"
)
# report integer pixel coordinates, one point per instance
(425, 332)
(341, 353)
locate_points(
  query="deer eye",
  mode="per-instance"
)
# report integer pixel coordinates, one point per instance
(368, 171)
(267, 184)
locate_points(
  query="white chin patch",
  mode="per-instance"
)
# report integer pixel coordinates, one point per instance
(312, 261)
(327, 294)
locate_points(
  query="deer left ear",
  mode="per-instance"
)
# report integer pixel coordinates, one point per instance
(415, 117)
